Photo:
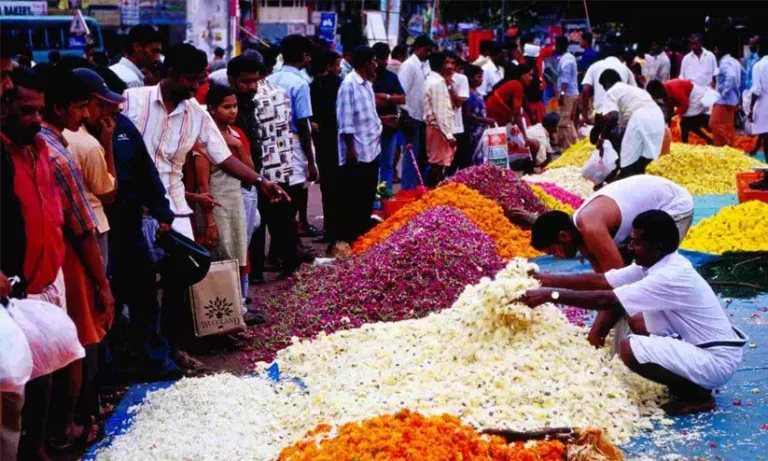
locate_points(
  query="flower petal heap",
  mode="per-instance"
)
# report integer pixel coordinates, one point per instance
(511, 241)
(576, 155)
(409, 435)
(560, 194)
(550, 202)
(568, 178)
(501, 186)
(421, 268)
(703, 169)
(742, 227)
(741, 142)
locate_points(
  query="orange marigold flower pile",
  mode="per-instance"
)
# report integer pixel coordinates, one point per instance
(489, 217)
(743, 143)
(411, 436)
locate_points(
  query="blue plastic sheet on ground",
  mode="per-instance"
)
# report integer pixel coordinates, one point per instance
(705, 206)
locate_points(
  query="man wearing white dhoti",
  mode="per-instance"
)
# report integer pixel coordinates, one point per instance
(758, 108)
(682, 336)
(634, 109)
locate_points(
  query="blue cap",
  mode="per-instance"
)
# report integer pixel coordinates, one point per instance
(97, 86)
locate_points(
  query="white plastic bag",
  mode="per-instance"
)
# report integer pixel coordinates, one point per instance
(709, 99)
(493, 147)
(15, 355)
(51, 334)
(597, 168)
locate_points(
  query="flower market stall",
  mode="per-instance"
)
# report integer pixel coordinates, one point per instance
(419, 334)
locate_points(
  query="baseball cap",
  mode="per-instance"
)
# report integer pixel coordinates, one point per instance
(97, 86)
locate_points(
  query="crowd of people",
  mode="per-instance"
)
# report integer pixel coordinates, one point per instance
(99, 161)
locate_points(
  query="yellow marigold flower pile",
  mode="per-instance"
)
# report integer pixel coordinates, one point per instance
(409, 435)
(489, 217)
(576, 155)
(703, 169)
(550, 202)
(742, 227)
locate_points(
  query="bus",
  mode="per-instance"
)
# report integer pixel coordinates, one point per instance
(42, 34)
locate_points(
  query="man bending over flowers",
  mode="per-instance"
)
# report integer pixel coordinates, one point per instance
(681, 337)
(600, 230)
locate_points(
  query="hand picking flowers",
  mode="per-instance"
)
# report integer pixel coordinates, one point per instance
(742, 227)
(533, 370)
(703, 169)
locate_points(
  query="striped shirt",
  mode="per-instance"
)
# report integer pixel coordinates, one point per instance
(170, 137)
(438, 110)
(356, 115)
(79, 218)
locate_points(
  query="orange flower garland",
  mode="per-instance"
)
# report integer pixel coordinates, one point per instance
(411, 436)
(489, 217)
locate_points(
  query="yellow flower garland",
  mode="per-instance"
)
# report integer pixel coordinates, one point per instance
(576, 155)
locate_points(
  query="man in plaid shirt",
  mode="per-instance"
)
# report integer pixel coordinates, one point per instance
(359, 146)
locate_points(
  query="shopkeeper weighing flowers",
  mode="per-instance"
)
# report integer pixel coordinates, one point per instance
(681, 337)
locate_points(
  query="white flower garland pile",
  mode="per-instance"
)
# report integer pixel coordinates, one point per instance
(490, 360)
(568, 178)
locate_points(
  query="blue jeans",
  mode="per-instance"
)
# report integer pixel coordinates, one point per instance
(413, 135)
(387, 168)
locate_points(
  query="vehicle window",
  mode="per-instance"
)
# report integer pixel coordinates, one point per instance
(14, 33)
(39, 39)
(56, 37)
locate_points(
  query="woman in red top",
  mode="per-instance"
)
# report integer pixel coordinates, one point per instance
(505, 103)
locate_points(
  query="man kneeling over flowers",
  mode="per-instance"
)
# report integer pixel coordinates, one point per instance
(681, 337)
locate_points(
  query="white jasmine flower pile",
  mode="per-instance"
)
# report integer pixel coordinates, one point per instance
(568, 178)
(488, 359)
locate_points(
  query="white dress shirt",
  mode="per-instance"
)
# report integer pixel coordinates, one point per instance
(170, 137)
(657, 67)
(699, 69)
(461, 87)
(128, 73)
(413, 73)
(592, 77)
(492, 74)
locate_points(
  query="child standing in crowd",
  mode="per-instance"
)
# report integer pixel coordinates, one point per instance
(475, 118)
(223, 226)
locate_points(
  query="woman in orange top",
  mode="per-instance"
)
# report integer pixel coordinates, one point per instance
(505, 103)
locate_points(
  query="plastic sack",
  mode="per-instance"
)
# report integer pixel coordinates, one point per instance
(15, 355)
(51, 334)
(493, 147)
(709, 99)
(597, 168)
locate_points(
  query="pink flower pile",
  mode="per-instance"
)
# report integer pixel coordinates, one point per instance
(501, 186)
(560, 194)
(421, 268)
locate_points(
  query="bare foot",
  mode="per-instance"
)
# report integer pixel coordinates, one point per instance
(186, 361)
(687, 407)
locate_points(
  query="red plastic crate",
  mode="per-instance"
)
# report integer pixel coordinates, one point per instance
(743, 180)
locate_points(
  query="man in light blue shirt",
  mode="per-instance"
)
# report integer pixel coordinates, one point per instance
(568, 86)
(296, 56)
(749, 63)
(728, 85)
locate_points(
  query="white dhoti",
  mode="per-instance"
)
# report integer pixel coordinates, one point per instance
(644, 136)
(709, 368)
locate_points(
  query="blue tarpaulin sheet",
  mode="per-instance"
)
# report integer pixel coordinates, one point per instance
(737, 430)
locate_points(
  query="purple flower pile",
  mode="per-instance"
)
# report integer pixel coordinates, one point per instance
(421, 268)
(560, 194)
(501, 186)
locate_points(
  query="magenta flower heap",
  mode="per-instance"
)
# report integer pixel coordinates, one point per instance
(421, 268)
(501, 186)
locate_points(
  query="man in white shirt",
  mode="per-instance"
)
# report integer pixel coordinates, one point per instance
(493, 70)
(600, 228)
(483, 58)
(634, 109)
(458, 87)
(700, 65)
(144, 48)
(682, 337)
(591, 87)
(439, 115)
(413, 73)
(656, 65)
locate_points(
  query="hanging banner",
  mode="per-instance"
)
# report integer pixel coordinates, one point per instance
(327, 27)
(434, 23)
